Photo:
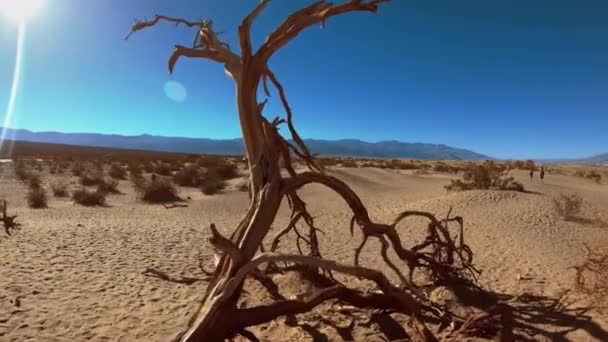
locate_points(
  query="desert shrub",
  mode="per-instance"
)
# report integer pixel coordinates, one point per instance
(59, 189)
(569, 206)
(212, 182)
(89, 198)
(349, 163)
(523, 165)
(117, 171)
(77, 169)
(594, 176)
(108, 185)
(36, 198)
(163, 169)
(90, 178)
(21, 171)
(223, 171)
(441, 167)
(579, 173)
(135, 170)
(188, 176)
(212, 186)
(209, 161)
(149, 167)
(326, 162)
(34, 181)
(396, 164)
(159, 190)
(486, 176)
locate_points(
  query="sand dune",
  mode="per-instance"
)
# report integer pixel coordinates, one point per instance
(75, 274)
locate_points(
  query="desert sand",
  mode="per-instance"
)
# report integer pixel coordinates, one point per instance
(74, 273)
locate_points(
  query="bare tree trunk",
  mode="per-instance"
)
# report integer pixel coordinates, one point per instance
(218, 316)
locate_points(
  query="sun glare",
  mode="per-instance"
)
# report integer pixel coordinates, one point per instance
(20, 10)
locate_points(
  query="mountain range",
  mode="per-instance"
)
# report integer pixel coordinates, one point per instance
(344, 147)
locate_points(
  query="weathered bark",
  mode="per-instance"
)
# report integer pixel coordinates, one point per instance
(267, 153)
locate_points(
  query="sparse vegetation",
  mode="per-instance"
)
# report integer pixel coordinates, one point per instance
(594, 176)
(397, 164)
(36, 198)
(569, 206)
(158, 190)
(486, 176)
(349, 163)
(77, 169)
(91, 178)
(89, 198)
(189, 176)
(212, 183)
(109, 186)
(59, 189)
(34, 181)
(117, 171)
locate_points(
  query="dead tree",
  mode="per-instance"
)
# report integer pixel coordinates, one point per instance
(8, 221)
(440, 254)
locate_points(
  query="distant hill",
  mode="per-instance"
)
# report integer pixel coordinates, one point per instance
(346, 147)
(600, 159)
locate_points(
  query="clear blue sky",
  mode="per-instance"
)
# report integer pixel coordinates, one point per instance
(511, 79)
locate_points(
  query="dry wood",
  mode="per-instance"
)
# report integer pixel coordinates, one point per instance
(267, 155)
(8, 221)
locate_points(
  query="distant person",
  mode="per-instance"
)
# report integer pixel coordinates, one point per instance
(542, 173)
(531, 174)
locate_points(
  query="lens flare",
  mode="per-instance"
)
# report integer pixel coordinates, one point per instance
(8, 115)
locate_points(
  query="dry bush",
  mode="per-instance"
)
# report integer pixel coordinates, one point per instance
(91, 178)
(592, 278)
(326, 162)
(89, 198)
(163, 169)
(349, 163)
(208, 161)
(486, 176)
(523, 165)
(397, 164)
(34, 181)
(59, 189)
(77, 169)
(135, 170)
(189, 176)
(212, 182)
(594, 176)
(21, 171)
(569, 206)
(36, 198)
(442, 167)
(149, 167)
(159, 190)
(224, 170)
(109, 185)
(579, 173)
(117, 171)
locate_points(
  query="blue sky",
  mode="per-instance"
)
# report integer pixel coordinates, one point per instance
(511, 79)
